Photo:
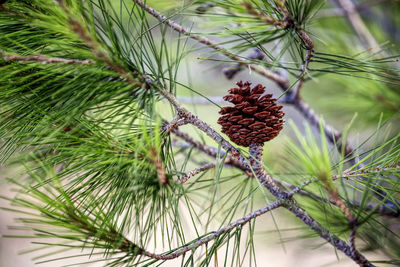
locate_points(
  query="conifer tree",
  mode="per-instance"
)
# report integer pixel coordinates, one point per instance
(122, 168)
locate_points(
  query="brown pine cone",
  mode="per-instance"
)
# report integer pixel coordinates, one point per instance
(255, 118)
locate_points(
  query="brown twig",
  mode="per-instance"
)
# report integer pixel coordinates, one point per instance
(172, 124)
(262, 16)
(43, 59)
(304, 67)
(196, 171)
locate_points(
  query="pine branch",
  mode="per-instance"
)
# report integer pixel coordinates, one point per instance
(253, 163)
(283, 82)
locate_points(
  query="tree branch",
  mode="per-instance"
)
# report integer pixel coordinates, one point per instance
(282, 82)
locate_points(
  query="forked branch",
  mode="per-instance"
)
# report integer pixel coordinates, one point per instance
(280, 80)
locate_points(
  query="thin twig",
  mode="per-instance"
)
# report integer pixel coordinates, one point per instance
(207, 129)
(196, 171)
(230, 72)
(43, 59)
(352, 241)
(182, 112)
(168, 127)
(304, 67)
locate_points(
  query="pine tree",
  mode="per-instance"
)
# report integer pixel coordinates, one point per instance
(121, 168)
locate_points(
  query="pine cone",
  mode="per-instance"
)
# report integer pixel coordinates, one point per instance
(255, 118)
